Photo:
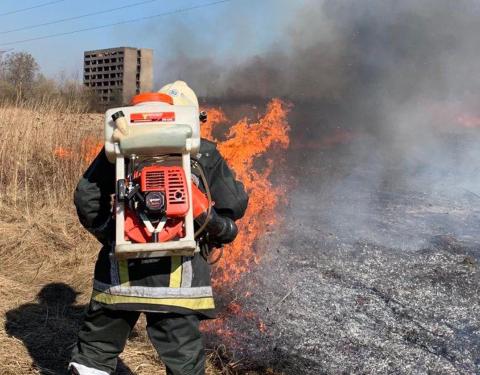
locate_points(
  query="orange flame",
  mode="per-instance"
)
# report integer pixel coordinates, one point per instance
(468, 121)
(62, 152)
(245, 143)
(89, 148)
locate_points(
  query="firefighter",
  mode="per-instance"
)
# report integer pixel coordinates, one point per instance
(173, 292)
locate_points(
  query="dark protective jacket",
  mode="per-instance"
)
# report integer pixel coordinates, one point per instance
(177, 284)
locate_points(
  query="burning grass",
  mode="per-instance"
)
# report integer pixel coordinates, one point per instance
(244, 143)
(243, 146)
(44, 251)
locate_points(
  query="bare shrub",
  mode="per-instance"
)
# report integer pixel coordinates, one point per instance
(20, 70)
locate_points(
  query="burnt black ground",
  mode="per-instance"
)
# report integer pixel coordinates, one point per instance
(376, 269)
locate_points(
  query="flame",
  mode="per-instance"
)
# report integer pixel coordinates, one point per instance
(246, 143)
(228, 329)
(468, 121)
(215, 117)
(62, 153)
(88, 150)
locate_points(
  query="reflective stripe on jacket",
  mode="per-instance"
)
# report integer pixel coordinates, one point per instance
(170, 284)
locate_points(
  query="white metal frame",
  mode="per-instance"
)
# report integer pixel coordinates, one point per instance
(125, 249)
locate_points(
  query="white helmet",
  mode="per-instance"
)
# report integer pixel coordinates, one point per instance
(181, 93)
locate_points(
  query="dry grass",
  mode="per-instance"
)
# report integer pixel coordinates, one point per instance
(42, 243)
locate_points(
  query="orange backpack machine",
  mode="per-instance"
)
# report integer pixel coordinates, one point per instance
(157, 200)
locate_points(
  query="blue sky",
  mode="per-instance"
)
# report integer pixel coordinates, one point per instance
(234, 30)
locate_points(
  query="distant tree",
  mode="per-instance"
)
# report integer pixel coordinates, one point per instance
(7, 92)
(19, 69)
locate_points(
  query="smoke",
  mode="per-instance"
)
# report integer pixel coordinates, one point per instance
(396, 75)
(338, 50)
(411, 73)
(393, 75)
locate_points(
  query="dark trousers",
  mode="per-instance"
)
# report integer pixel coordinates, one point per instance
(176, 338)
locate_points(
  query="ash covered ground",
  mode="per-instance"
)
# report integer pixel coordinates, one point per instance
(376, 269)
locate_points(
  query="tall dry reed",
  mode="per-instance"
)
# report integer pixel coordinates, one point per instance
(43, 151)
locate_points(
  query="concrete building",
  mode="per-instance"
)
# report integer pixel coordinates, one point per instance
(117, 74)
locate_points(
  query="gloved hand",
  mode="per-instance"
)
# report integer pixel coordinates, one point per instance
(219, 229)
